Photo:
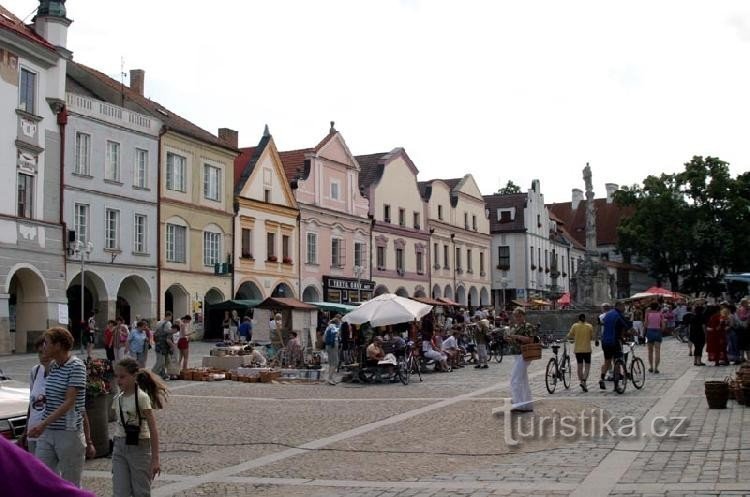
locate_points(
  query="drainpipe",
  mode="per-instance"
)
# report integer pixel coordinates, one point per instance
(62, 121)
(236, 209)
(453, 243)
(162, 132)
(299, 255)
(372, 227)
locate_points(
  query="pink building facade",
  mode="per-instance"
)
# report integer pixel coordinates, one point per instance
(334, 228)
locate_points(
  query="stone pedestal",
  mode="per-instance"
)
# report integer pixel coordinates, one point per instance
(590, 287)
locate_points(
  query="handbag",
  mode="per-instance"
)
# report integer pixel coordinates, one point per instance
(132, 432)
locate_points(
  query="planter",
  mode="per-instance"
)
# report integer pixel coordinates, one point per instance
(717, 394)
(96, 409)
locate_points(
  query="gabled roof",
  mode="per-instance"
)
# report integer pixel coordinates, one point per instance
(608, 217)
(370, 169)
(244, 165)
(109, 90)
(12, 23)
(507, 201)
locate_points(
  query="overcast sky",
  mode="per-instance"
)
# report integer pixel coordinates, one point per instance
(503, 90)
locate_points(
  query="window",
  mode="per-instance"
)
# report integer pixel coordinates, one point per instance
(474, 222)
(436, 255)
(111, 229)
(246, 243)
(140, 174)
(416, 221)
(338, 252)
(531, 251)
(387, 213)
(469, 262)
(83, 153)
(481, 263)
(267, 195)
(271, 247)
(25, 195)
(546, 259)
(139, 234)
(176, 243)
(211, 248)
(420, 263)
(458, 258)
(176, 167)
(539, 257)
(312, 248)
(211, 182)
(381, 257)
(81, 222)
(402, 217)
(504, 215)
(446, 257)
(112, 162)
(503, 258)
(440, 212)
(400, 260)
(285, 248)
(359, 252)
(27, 91)
(334, 190)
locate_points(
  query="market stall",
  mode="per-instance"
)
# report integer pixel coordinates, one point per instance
(294, 315)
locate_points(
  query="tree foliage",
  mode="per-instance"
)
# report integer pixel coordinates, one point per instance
(509, 187)
(691, 227)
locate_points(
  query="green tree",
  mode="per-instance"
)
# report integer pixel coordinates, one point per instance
(509, 187)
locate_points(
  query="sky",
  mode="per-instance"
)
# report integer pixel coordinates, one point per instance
(504, 90)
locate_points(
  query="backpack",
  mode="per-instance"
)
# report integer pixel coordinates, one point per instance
(330, 336)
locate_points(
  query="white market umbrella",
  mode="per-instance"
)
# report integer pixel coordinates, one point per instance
(386, 309)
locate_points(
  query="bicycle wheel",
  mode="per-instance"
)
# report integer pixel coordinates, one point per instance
(565, 372)
(499, 352)
(413, 366)
(550, 379)
(638, 373)
(620, 375)
(403, 373)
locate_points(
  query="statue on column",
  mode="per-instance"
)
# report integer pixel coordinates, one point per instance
(590, 212)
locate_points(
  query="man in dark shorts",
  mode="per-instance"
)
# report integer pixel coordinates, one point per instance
(614, 326)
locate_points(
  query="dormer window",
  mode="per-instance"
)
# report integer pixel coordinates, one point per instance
(505, 215)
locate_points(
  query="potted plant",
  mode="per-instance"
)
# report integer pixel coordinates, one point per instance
(99, 376)
(287, 260)
(273, 258)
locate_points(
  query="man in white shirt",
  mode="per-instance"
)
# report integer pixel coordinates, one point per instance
(451, 349)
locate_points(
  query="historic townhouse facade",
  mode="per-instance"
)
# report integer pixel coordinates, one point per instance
(266, 243)
(110, 206)
(334, 228)
(532, 251)
(460, 240)
(32, 95)
(400, 240)
(195, 185)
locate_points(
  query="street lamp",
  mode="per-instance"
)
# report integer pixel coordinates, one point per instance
(82, 250)
(358, 271)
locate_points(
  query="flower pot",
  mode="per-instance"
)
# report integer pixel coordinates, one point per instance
(96, 409)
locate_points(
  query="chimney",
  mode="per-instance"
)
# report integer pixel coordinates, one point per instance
(577, 198)
(230, 137)
(137, 79)
(611, 189)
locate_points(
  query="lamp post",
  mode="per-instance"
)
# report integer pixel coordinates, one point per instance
(358, 270)
(83, 250)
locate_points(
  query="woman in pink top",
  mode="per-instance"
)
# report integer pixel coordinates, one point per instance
(743, 334)
(654, 321)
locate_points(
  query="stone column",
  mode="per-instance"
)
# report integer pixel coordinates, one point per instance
(5, 342)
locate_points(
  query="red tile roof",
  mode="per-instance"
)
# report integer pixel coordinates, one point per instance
(294, 162)
(240, 162)
(12, 23)
(608, 217)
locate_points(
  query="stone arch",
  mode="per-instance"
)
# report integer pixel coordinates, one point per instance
(214, 296)
(436, 293)
(248, 290)
(134, 299)
(27, 300)
(311, 294)
(419, 292)
(461, 295)
(448, 293)
(283, 289)
(380, 290)
(401, 292)
(473, 297)
(177, 300)
(95, 299)
(484, 297)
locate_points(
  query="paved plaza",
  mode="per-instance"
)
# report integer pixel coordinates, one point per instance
(441, 438)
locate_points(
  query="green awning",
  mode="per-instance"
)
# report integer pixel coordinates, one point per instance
(230, 305)
(333, 307)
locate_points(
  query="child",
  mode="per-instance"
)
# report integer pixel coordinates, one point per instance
(136, 464)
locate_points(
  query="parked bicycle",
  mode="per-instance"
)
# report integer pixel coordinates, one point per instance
(558, 369)
(413, 360)
(497, 346)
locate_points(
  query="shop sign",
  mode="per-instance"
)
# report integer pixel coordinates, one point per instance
(348, 284)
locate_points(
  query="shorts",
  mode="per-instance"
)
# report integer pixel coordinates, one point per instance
(91, 338)
(653, 335)
(182, 343)
(582, 357)
(611, 351)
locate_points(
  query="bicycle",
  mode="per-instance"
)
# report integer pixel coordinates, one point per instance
(497, 345)
(558, 369)
(635, 368)
(413, 364)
